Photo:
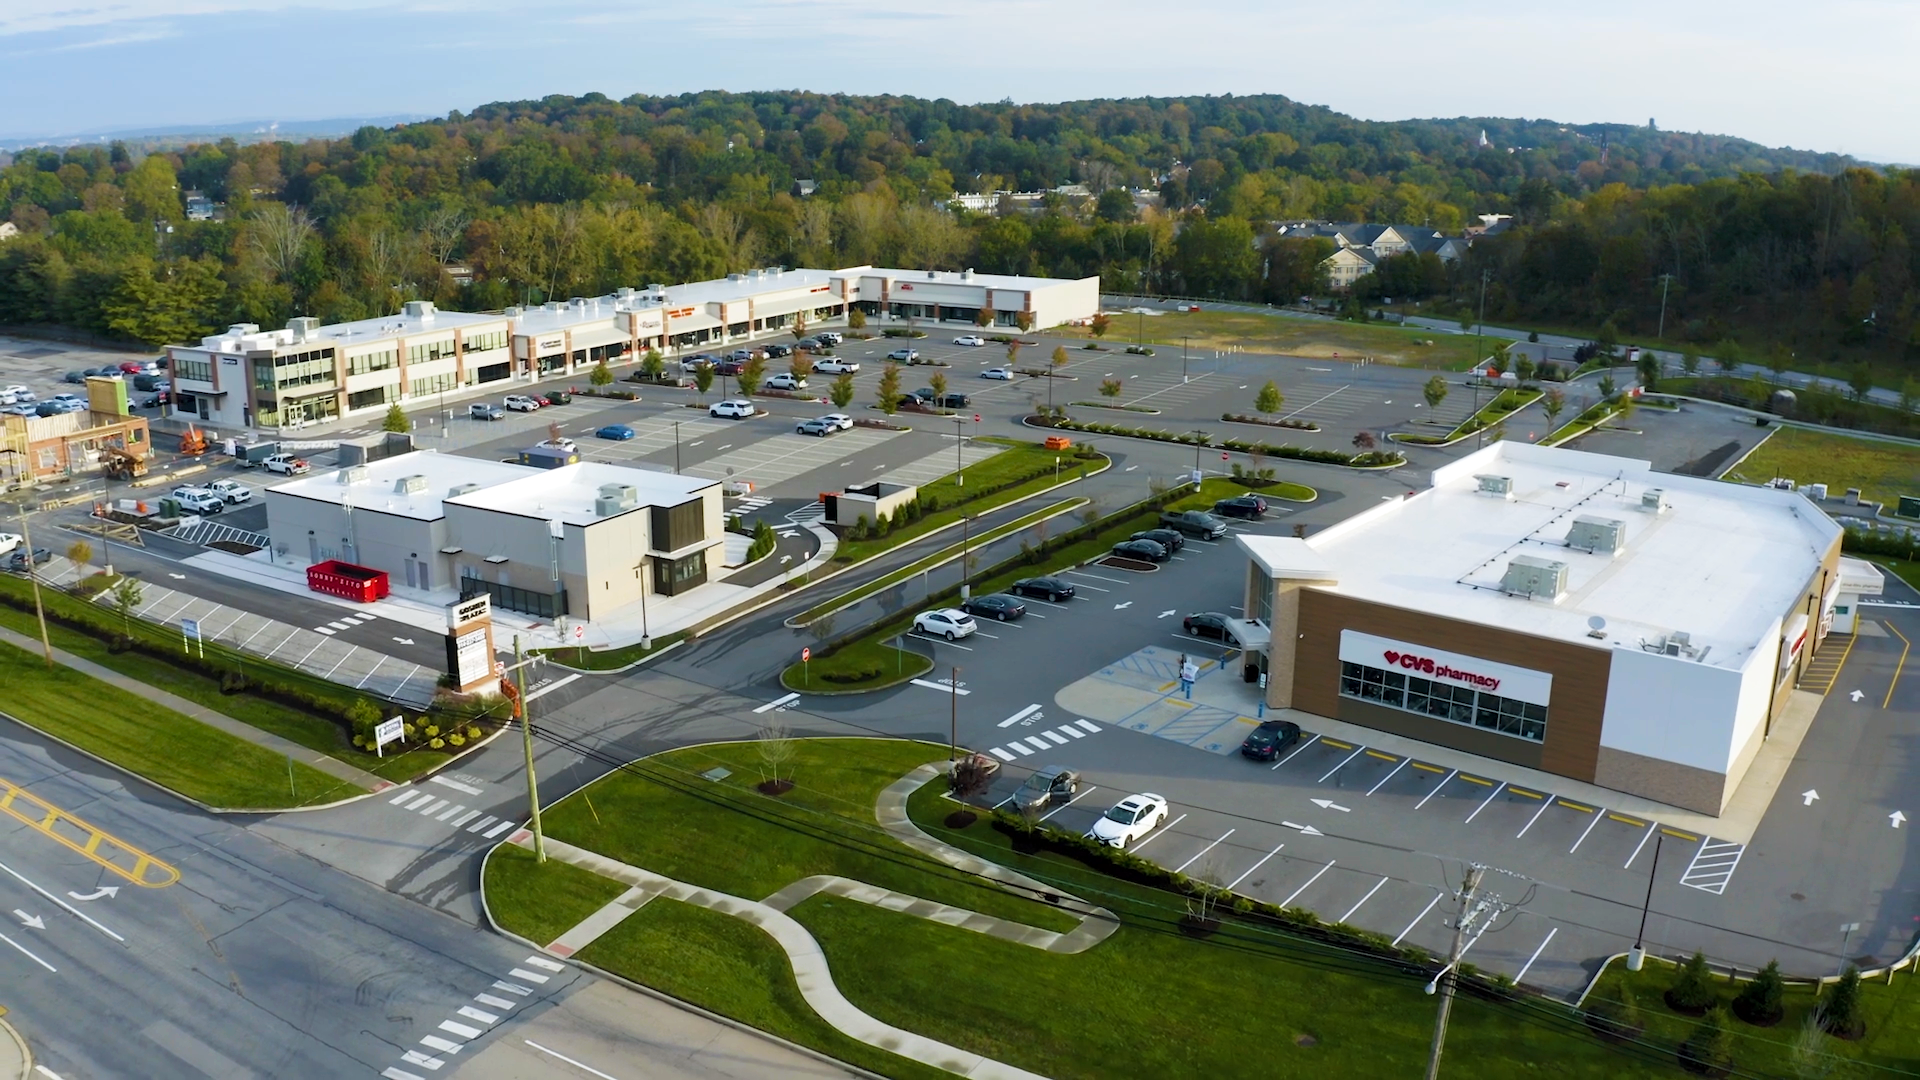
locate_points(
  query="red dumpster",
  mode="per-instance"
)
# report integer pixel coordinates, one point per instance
(343, 579)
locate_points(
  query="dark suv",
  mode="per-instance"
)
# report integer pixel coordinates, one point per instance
(1166, 538)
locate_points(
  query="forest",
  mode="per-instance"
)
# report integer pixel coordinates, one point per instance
(1625, 230)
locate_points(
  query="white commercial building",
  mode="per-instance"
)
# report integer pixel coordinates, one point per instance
(1570, 612)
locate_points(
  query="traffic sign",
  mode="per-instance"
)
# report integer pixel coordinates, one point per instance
(806, 654)
(579, 632)
(976, 418)
(500, 668)
(1223, 456)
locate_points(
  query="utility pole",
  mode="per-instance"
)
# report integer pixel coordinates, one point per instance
(966, 560)
(953, 750)
(1443, 982)
(526, 738)
(959, 441)
(1183, 357)
(1479, 353)
(1665, 280)
(676, 448)
(33, 576)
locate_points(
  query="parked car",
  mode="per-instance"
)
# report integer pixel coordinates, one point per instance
(911, 401)
(995, 606)
(1241, 506)
(70, 399)
(735, 408)
(21, 395)
(148, 383)
(1130, 819)
(1142, 549)
(20, 561)
(699, 360)
(739, 356)
(21, 410)
(1194, 523)
(949, 623)
(786, 380)
(134, 367)
(774, 350)
(522, 403)
(728, 367)
(924, 395)
(555, 397)
(154, 401)
(953, 399)
(486, 410)
(617, 432)
(231, 492)
(1051, 588)
(9, 541)
(7, 397)
(198, 500)
(840, 420)
(286, 465)
(1000, 373)
(904, 356)
(830, 337)
(1048, 785)
(974, 340)
(75, 377)
(55, 408)
(809, 343)
(1270, 740)
(1207, 624)
(1166, 538)
(561, 443)
(836, 366)
(818, 425)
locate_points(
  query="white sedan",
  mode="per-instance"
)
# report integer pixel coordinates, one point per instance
(974, 340)
(833, 366)
(949, 623)
(738, 408)
(1130, 819)
(841, 421)
(1003, 374)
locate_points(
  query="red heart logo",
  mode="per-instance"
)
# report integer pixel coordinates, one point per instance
(1392, 657)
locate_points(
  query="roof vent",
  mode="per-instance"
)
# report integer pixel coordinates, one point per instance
(1654, 500)
(615, 499)
(418, 309)
(458, 490)
(931, 275)
(1500, 486)
(410, 485)
(967, 274)
(353, 474)
(1535, 578)
(1597, 535)
(511, 312)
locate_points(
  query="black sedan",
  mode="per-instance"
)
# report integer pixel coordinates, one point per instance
(1142, 549)
(1241, 506)
(1270, 740)
(1051, 588)
(18, 562)
(995, 606)
(1166, 538)
(1206, 624)
(776, 349)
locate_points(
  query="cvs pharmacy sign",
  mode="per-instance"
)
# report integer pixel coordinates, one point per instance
(1427, 665)
(1427, 662)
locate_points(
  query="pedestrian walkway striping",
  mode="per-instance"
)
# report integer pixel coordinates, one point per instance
(1026, 746)
(1713, 865)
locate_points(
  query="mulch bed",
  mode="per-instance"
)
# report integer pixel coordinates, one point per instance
(775, 788)
(960, 819)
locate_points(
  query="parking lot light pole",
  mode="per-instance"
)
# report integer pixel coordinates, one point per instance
(959, 440)
(953, 749)
(1183, 357)
(676, 448)
(1638, 954)
(966, 570)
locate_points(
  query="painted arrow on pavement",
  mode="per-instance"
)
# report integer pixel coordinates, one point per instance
(1856, 695)
(1807, 797)
(1166, 613)
(180, 577)
(1307, 829)
(1124, 604)
(1896, 817)
(404, 640)
(97, 894)
(1329, 804)
(34, 921)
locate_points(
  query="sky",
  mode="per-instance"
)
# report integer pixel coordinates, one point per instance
(1777, 72)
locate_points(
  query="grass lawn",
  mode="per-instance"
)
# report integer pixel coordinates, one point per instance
(863, 665)
(295, 725)
(608, 659)
(1882, 471)
(181, 753)
(549, 898)
(1020, 459)
(1249, 1001)
(1908, 572)
(1315, 339)
(1891, 1042)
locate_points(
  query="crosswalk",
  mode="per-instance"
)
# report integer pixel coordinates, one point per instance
(472, 1021)
(1045, 740)
(750, 503)
(429, 804)
(345, 622)
(806, 515)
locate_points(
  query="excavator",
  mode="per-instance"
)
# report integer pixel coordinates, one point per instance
(121, 465)
(193, 443)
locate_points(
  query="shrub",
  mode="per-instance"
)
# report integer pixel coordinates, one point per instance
(456, 739)
(1840, 1006)
(1692, 990)
(473, 732)
(1709, 1050)
(437, 744)
(1759, 1002)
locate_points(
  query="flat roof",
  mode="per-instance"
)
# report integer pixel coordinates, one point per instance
(442, 472)
(419, 318)
(1720, 562)
(567, 493)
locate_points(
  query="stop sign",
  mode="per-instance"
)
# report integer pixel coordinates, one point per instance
(1223, 457)
(806, 654)
(976, 418)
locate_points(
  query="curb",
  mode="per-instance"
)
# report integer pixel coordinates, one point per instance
(1026, 422)
(862, 690)
(26, 1052)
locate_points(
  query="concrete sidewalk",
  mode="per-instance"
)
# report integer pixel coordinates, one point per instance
(15, 1059)
(326, 763)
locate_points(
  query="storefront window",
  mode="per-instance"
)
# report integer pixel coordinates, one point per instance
(1444, 701)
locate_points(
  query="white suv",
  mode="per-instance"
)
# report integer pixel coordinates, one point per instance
(231, 491)
(786, 381)
(521, 403)
(949, 623)
(199, 500)
(738, 409)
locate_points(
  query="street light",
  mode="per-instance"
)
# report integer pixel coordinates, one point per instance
(953, 746)
(966, 568)
(676, 448)
(1183, 357)
(959, 439)
(1638, 954)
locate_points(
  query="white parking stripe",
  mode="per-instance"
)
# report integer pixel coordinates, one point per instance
(1628, 865)
(1095, 588)
(1201, 852)
(1364, 899)
(1305, 742)
(1389, 776)
(1357, 751)
(1159, 832)
(1310, 881)
(1451, 773)
(1544, 803)
(1236, 881)
(1536, 954)
(1502, 786)
(1090, 790)
(1583, 836)
(1417, 918)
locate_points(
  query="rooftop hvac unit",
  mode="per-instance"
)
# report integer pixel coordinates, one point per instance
(1500, 486)
(1654, 500)
(303, 327)
(458, 490)
(1597, 535)
(1532, 576)
(1816, 492)
(354, 474)
(615, 499)
(418, 309)
(410, 485)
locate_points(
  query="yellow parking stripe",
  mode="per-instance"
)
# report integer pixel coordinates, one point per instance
(1524, 791)
(1627, 820)
(1164, 687)
(1334, 742)
(1575, 806)
(1677, 834)
(115, 855)
(1905, 645)
(1381, 756)
(1476, 780)
(1429, 768)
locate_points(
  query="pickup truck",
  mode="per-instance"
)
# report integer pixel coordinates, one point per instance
(1194, 523)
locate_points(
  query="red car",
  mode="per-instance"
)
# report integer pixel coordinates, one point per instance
(134, 367)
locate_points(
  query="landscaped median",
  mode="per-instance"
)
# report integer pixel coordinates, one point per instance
(1236, 995)
(1507, 402)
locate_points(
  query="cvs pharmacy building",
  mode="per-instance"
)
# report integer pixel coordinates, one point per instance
(1569, 612)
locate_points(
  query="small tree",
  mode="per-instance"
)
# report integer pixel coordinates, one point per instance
(1099, 324)
(652, 365)
(703, 380)
(1808, 1055)
(126, 597)
(1269, 399)
(601, 375)
(1364, 442)
(1023, 320)
(80, 553)
(801, 365)
(1204, 892)
(1435, 391)
(799, 326)
(1692, 989)
(889, 389)
(1013, 353)
(1709, 1049)
(1054, 363)
(983, 318)
(1607, 386)
(1498, 363)
(1759, 1002)
(1533, 336)
(396, 419)
(938, 381)
(1861, 381)
(856, 319)
(1525, 369)
(1690, 362)
(776, 746)
(1110, 387)
(842, 390)
(1649, 370)
(751, 374)
(1840, 1006)
(1554, 402)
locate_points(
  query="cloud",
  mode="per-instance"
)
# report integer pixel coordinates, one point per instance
(130, 36)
